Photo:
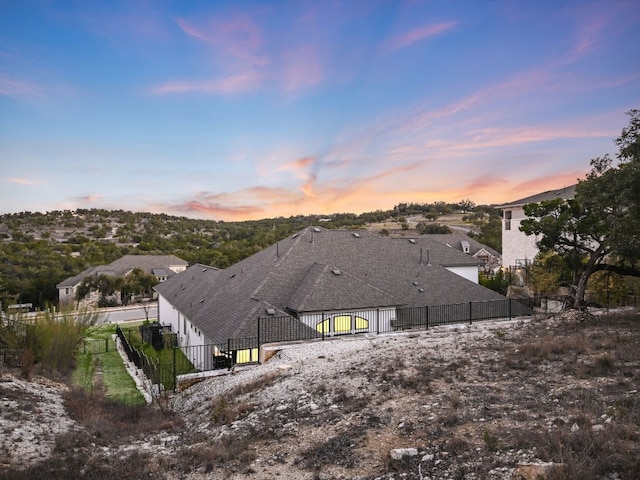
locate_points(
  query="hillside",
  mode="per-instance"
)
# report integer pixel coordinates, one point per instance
(473, 401)
(39, 250)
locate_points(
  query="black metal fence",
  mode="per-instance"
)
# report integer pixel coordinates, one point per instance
(277, 329)
(161, 375)
(98, 346)
(433, 315)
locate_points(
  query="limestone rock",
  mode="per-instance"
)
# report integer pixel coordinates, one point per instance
(400, 453)
(536, 471)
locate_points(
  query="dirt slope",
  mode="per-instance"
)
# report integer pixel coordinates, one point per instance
(463, 402)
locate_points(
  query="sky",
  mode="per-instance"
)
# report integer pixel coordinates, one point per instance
(240, 110)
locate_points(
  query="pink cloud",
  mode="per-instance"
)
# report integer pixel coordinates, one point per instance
(417, 34)
(20, 181)
(542, 184)
(222, 211)
(90, 198)
(238, 38)
(300, 163)
(12, 87)
(242, 82)
(302, 68)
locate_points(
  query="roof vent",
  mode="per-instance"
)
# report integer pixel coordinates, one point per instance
(294, 235)
(271, 311)
(204, 270)
(316, 229)
(412, 240)
(415, 284)
(336, 271)
(356, 234)
(232, 275)
(202, 300)
(421, 289)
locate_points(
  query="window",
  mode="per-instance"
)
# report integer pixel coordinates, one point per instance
(343, 324)
(66, 291)
(507, 220)
(247, 356)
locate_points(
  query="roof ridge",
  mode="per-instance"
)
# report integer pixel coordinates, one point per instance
(297, 238)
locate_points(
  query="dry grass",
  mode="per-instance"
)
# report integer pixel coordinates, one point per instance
(555, 390)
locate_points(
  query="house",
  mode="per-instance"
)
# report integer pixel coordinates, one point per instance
(317, 278)
(519, 249)
(462, 242)
(162, 266)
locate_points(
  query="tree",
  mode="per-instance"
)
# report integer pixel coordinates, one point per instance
(547, 272)
(431, 228)
(106, 285)
(599, 229)
(135, 283)
(466, 205)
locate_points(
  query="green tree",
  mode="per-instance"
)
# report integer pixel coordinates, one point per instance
(498, 281)
(431, 228)
(599, 229)
(547, 272)
(136, 282)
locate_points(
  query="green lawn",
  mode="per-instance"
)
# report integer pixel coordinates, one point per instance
(107, 369)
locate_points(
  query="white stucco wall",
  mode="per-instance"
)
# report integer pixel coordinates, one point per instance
(188, 335)
(379, 319)
(516, 246)
(469, 272)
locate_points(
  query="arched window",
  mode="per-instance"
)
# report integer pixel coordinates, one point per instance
(341, 324)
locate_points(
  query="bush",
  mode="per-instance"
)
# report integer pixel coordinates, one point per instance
(49, 341)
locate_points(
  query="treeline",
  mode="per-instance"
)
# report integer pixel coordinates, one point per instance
(39, 250)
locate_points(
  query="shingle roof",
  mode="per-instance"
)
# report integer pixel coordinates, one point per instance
(454, 240)
(76, 279)
(324, 286)
(146, 262)
(297, 274)
(565, 193)
(123, 265)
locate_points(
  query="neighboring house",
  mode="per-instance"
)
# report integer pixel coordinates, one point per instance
(519, 249)
(317, 278)
(488, 256)
(162, 266)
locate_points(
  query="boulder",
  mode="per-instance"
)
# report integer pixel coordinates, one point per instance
(400, 453)
(536, 471)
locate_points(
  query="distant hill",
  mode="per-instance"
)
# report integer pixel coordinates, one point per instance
(39, 250)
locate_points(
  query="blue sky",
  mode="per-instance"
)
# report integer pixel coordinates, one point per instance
(244, 110)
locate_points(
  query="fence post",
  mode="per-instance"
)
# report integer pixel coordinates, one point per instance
(259, 318)
(175, 371)
(377, 321)
(470, 313)
(510, 316)
(106, 345)
(322, 325)
(427, 315)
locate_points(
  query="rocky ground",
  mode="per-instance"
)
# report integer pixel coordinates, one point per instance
(478, 401)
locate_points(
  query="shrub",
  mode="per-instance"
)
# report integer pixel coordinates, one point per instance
(50, 340)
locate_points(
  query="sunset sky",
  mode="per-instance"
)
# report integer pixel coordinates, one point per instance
(238, 110)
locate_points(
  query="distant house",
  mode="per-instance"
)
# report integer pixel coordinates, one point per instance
(519, 249)
(317, 278)
(488, 256)
(162, 266)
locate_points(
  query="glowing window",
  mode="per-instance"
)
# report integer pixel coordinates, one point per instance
(246, 356)
(362, 323)
(323, 327)
(342, 323)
